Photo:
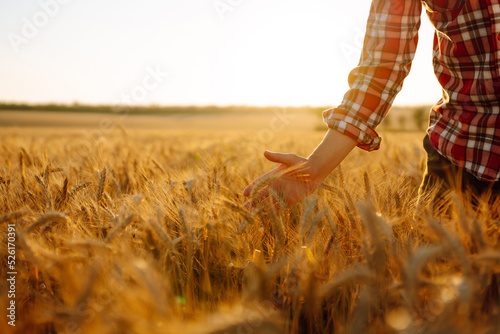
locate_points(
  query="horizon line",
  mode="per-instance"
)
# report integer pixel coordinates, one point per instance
(193, 105)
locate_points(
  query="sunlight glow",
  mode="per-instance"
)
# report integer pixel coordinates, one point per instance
(215, 52)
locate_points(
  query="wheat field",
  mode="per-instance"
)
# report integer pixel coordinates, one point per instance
(144, 232)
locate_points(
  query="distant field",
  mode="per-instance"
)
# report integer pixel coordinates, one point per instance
(278, 118)
(197, 118)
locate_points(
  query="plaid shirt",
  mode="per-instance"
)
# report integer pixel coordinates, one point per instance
(465, 123)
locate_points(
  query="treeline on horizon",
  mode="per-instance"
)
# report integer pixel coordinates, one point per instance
(169, 109)
(154, 109)
(399, 118)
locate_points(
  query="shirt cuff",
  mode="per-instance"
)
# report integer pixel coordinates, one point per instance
(352, 126)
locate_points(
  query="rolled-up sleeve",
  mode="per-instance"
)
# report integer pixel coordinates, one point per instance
(388, 50)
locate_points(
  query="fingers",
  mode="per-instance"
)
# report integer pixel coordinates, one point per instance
(263, 199)
(282, 158)
(248, 190)
(257, 199)
(287, 159)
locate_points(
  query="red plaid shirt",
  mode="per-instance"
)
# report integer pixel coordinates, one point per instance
(465, 123)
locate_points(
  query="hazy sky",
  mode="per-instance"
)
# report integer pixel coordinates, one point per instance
(263, 52)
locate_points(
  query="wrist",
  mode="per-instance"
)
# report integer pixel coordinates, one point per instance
(319, 167)
(328, 155)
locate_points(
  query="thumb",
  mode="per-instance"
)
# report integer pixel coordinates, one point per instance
(282, 158)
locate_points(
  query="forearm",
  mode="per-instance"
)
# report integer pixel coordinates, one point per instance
(388, 49)
(330, 153)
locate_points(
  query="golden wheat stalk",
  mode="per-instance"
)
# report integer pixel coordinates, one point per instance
(78, 188)
(357, 274)
(8, 217)
(160, 232)
(157, 164)
(48, 196)
(48, 218)
(46, 175)
(453, 244)
(62, 195)
(120, 227)
(412, 268)
(367, 183)
(21, 170)
(249, 217)
(306, 223)
(262, 183)
(100, 188)
(90, 244)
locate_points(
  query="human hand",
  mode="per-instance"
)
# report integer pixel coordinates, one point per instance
(294, 179)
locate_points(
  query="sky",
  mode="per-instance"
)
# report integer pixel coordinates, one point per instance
(191, 52)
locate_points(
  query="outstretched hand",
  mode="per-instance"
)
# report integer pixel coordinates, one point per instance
(297, 177)
(294, 179)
